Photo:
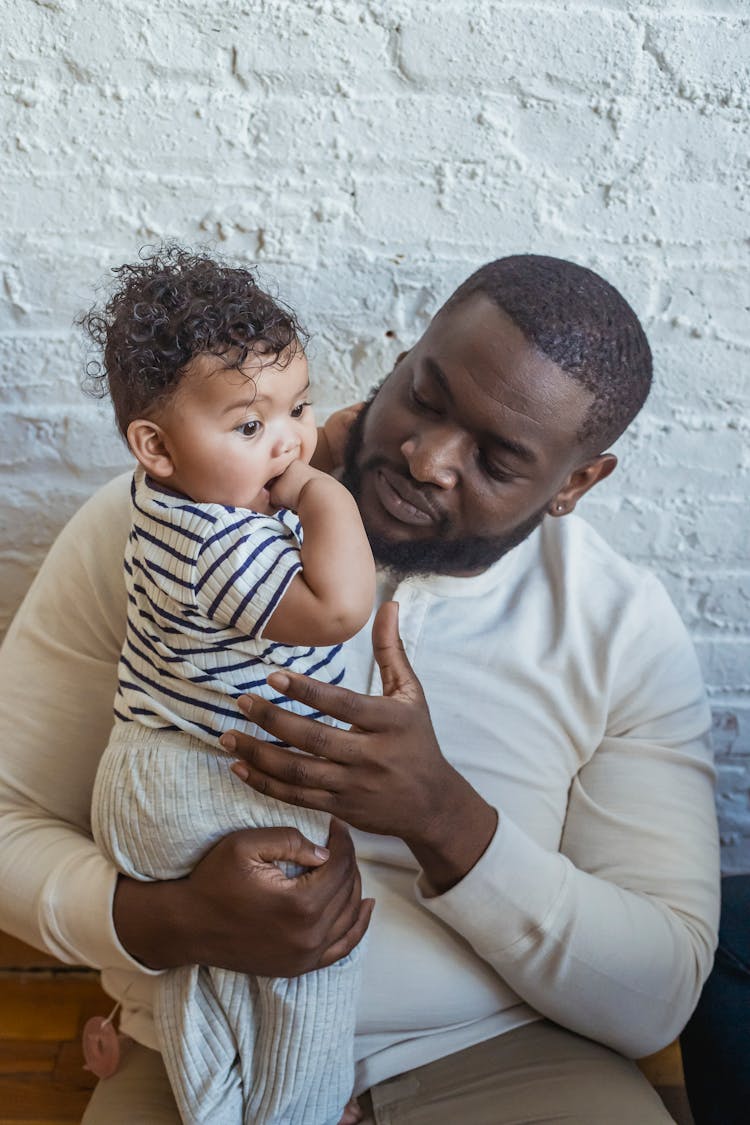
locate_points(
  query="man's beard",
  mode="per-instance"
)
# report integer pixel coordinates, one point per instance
(439, 554)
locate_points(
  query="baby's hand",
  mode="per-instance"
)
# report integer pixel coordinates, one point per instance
(286, 489)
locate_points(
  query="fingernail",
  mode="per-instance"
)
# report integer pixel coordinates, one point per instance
(240, 770)
(228, 742)
(321, 853)
(245, 702)
(279, 680)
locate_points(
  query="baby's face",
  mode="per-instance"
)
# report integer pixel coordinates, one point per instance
(230, 432)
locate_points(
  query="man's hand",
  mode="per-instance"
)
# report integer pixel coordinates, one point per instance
(385, 775)
(238, 911)
(332, 438)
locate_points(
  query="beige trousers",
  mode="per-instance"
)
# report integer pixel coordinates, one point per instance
(536, 1074)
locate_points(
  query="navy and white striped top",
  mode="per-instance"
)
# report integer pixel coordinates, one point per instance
(202, 581)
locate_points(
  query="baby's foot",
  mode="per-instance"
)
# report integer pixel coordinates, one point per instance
(352, 1113)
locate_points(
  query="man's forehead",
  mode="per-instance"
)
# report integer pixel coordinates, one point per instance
(475, 347)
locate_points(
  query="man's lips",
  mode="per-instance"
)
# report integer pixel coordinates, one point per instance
(402, 500)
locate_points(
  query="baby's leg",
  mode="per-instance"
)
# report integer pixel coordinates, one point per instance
(159, 803)
(304, 1055)
(207, 1039)
(303, 1062)
(161, 800)
(280, 1048)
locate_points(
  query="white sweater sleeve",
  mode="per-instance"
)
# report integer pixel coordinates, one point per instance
(613, 936)
(57, 681)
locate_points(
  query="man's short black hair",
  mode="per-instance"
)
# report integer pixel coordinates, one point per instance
(580, 322)
(170, 306)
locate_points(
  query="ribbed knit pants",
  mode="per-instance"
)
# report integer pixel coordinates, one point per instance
(238, 1050)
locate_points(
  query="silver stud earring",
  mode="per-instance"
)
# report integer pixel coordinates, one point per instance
(559, 508)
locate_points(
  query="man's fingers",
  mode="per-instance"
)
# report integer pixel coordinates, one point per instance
(340, 703)
(314, 737)
(274, 845)
(279, 763)
(340, 839)
(396, 672)
(352, 937)
(337, 885)
(341, 911)
(296, 794)
(340, 878)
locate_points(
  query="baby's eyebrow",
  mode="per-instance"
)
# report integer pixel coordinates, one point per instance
(242, 404)
(245, 403)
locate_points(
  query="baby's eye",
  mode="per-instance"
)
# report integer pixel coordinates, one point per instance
(249, 429)
(299, 409)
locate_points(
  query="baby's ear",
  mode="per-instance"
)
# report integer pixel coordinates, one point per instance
(147, 443)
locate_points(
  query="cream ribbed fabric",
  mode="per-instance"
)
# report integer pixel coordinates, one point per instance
(237, 1049)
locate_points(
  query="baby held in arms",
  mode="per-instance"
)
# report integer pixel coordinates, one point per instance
(242, 558)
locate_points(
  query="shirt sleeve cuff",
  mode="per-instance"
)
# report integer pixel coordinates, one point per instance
(509, 896)
(76, 915)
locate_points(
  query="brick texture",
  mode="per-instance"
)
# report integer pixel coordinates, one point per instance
(368, 154)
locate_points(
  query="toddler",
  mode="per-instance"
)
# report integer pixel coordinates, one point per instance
(241, 558)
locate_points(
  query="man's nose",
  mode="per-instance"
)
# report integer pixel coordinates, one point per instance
(435, 456)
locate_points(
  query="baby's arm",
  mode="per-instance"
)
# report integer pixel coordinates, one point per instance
(331, 598)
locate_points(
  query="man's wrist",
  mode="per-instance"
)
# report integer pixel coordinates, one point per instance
(455, 838)
(148, 921)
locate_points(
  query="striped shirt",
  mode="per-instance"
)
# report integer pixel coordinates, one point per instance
(202, 582)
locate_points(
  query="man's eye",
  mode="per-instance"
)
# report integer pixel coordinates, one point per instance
(421, 403)
(249, 429)
(299, 409)
(493, 470)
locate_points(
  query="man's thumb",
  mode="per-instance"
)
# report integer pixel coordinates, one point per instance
(396, 672)
(273, 845)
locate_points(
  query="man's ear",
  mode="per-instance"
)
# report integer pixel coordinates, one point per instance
(580, 481)
(147, 442)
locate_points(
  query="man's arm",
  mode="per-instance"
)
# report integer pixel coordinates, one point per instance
(57, 682)
(613, 935)
(238, 911)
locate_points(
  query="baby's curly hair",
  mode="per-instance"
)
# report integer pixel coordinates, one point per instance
(170, 306)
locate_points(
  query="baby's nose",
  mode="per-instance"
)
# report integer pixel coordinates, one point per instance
(285, 442)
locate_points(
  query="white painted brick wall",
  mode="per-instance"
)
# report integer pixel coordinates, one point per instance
(368, 154)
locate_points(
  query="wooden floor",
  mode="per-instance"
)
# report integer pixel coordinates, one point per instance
(42, 1080)
(43, 1010)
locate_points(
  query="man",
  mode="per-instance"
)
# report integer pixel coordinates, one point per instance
(554, 803)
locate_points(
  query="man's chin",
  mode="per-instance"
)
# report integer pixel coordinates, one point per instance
(405, 551)
(458, 557)
(437, 554)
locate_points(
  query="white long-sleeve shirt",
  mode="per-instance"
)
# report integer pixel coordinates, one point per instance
(561, 684)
